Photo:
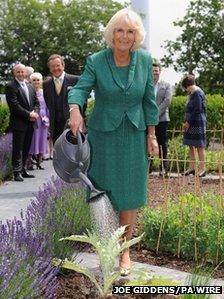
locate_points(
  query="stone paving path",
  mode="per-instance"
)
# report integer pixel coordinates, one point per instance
(15, 196)
(91, 261)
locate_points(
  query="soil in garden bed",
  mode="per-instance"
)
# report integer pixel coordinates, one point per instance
(77, 286)
(161, 189)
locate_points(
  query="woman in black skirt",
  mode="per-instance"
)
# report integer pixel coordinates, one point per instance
(194, 125)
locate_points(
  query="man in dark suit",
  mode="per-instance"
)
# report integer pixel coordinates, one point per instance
(163, 99)
(24, 108)
(55, 94)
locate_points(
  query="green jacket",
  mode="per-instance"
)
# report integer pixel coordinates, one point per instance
(113, 101)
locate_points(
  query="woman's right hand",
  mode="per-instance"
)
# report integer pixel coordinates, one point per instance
(185, 126)
(76, 121)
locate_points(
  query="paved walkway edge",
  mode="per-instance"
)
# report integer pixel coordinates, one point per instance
(91, 261)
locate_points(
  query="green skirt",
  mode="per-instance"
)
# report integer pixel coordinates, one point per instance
(119, 165)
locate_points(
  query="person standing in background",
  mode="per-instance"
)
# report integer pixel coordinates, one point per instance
(163, 95)
(55, 91)
(194, 125)
(29, 72)
(30, 161)
(39, 145)
(24, 109)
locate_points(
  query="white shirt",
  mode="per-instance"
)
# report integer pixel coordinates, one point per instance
(156, 87)
(61, 78)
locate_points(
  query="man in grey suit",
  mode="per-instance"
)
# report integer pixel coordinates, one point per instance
(163, 98)
(55, 94)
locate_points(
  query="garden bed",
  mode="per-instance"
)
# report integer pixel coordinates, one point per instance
(77, 286)
(161, 189)
(74, 285)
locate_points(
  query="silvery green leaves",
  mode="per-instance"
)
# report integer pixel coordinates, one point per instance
(108, 249)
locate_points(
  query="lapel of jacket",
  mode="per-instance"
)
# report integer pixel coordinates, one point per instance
(30, 90)
(160, 85)
(22, 92)
(64, 86)
(132, 66)
(113, 69)
(51, 90)
(112, 66)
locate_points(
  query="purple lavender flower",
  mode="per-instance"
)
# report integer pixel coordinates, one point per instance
(58, 210)
(28, 245)
(25, 266)
(5, 155)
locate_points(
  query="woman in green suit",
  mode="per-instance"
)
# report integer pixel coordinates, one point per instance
(121, 128)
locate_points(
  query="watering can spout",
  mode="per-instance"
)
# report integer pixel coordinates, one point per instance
(94, 193)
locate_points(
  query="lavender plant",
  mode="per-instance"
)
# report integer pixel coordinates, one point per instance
(58, 210)
(5, 155)
(25, 266)
(28, 245)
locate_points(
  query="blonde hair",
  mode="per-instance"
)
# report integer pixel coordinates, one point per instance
(132, 19)
(36, 76)
(54, 56)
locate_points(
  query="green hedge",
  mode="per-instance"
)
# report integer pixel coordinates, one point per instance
(4, 118)
(215, 110)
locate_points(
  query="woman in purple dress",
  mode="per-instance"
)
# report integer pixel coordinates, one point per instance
(39, 145)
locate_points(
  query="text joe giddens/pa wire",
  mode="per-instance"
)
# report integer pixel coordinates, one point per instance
(169, 290)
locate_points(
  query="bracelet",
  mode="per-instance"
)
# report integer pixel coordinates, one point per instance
(75, 107)
(151, 136)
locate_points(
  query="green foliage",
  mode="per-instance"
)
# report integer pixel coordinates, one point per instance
(215, 161)
(178, 154)
(201, 277)
(215, 111)
(33, 30)
(4, 118)
(108, 249)
(198, 48)
(89, 109)
(177, 112)
(190, 227)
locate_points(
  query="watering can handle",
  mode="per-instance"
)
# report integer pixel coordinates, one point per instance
(80, 144)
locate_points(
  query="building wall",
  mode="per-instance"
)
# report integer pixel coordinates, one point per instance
(142, 8)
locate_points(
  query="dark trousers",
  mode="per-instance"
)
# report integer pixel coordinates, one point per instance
(161, 135)
(21, 141)
(59, 128)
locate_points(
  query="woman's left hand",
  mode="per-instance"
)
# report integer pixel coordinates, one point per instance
(153, 148)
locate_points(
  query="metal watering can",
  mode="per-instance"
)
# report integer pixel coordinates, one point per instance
(71, 156)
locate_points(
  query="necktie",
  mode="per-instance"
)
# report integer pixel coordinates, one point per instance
(25, 89)
(58, 85)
